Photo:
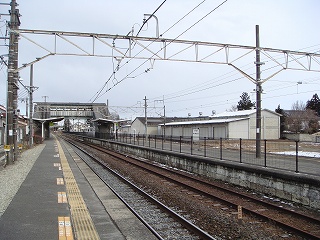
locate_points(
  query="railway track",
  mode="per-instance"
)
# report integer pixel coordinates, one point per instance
(161, 220)
(305, 225)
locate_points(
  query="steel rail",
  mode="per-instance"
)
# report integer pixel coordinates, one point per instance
(245, 207)
(189, 225)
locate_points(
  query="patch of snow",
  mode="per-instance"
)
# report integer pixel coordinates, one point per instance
(300, 153)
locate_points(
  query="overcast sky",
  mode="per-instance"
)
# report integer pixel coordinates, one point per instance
(185, 87)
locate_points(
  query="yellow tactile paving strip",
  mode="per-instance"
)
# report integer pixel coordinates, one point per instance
(81, 220)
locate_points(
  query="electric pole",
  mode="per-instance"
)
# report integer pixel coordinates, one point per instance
(45, 98)
(12, 94)
(258, 92)
(145, 115)
(31, 107)
(45, 108)
(164, 121)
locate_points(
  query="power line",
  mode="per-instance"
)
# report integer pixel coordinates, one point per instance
(182, 18)
(203, 89)
(206, 85)
(113, 73)
(201, 19)
(200, 90)
(159, 50)
(98, 95)
(187, 92)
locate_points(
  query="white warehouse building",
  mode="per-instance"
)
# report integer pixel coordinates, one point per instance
(240, 124)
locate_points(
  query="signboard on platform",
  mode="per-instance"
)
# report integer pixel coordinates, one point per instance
(6, 148)
(196, 134)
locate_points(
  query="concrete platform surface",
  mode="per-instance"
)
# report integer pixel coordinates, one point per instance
(61, 198)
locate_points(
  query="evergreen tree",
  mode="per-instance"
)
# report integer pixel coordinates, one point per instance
(314, 104)
(282, 118)
(245, 102)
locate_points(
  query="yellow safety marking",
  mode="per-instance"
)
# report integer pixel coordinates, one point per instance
(62, 197)
(68, 227)
(59, 197)
(83, 225)
(65, 229)
(61, 228)
(60, 181)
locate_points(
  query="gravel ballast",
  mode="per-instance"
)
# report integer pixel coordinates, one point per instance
(12, 176)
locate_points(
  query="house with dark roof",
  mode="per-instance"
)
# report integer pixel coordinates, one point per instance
(22, 127)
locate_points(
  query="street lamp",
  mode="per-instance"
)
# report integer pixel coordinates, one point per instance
(298, 85)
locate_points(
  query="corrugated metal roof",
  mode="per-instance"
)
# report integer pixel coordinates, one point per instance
(212, 121)
(242, 113)
(235, 114)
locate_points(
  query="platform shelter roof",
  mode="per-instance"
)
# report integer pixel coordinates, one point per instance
(53, 119)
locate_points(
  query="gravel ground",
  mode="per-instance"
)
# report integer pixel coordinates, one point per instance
(12, 176)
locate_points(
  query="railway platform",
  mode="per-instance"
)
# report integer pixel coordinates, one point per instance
(61, 198)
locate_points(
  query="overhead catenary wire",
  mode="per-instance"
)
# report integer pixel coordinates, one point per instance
(235, 99)
(207, 84)
(98, 95)
(251, 67)
(162, 48)
(187, 92)
(209, 87)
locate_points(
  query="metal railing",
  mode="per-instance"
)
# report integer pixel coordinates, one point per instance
(278, 154)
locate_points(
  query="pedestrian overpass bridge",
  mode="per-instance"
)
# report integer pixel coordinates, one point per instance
(70, 110)
(78, 117)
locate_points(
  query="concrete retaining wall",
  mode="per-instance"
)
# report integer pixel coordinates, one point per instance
(302, 137)
(295, 187)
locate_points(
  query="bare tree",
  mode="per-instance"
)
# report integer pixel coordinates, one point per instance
(233, 108)
(298, 106)
(300, 119)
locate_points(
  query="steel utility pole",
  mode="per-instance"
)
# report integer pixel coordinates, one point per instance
(258, 92)
(12, 94)
(45, 98)
(145, 115)
(31, 107)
